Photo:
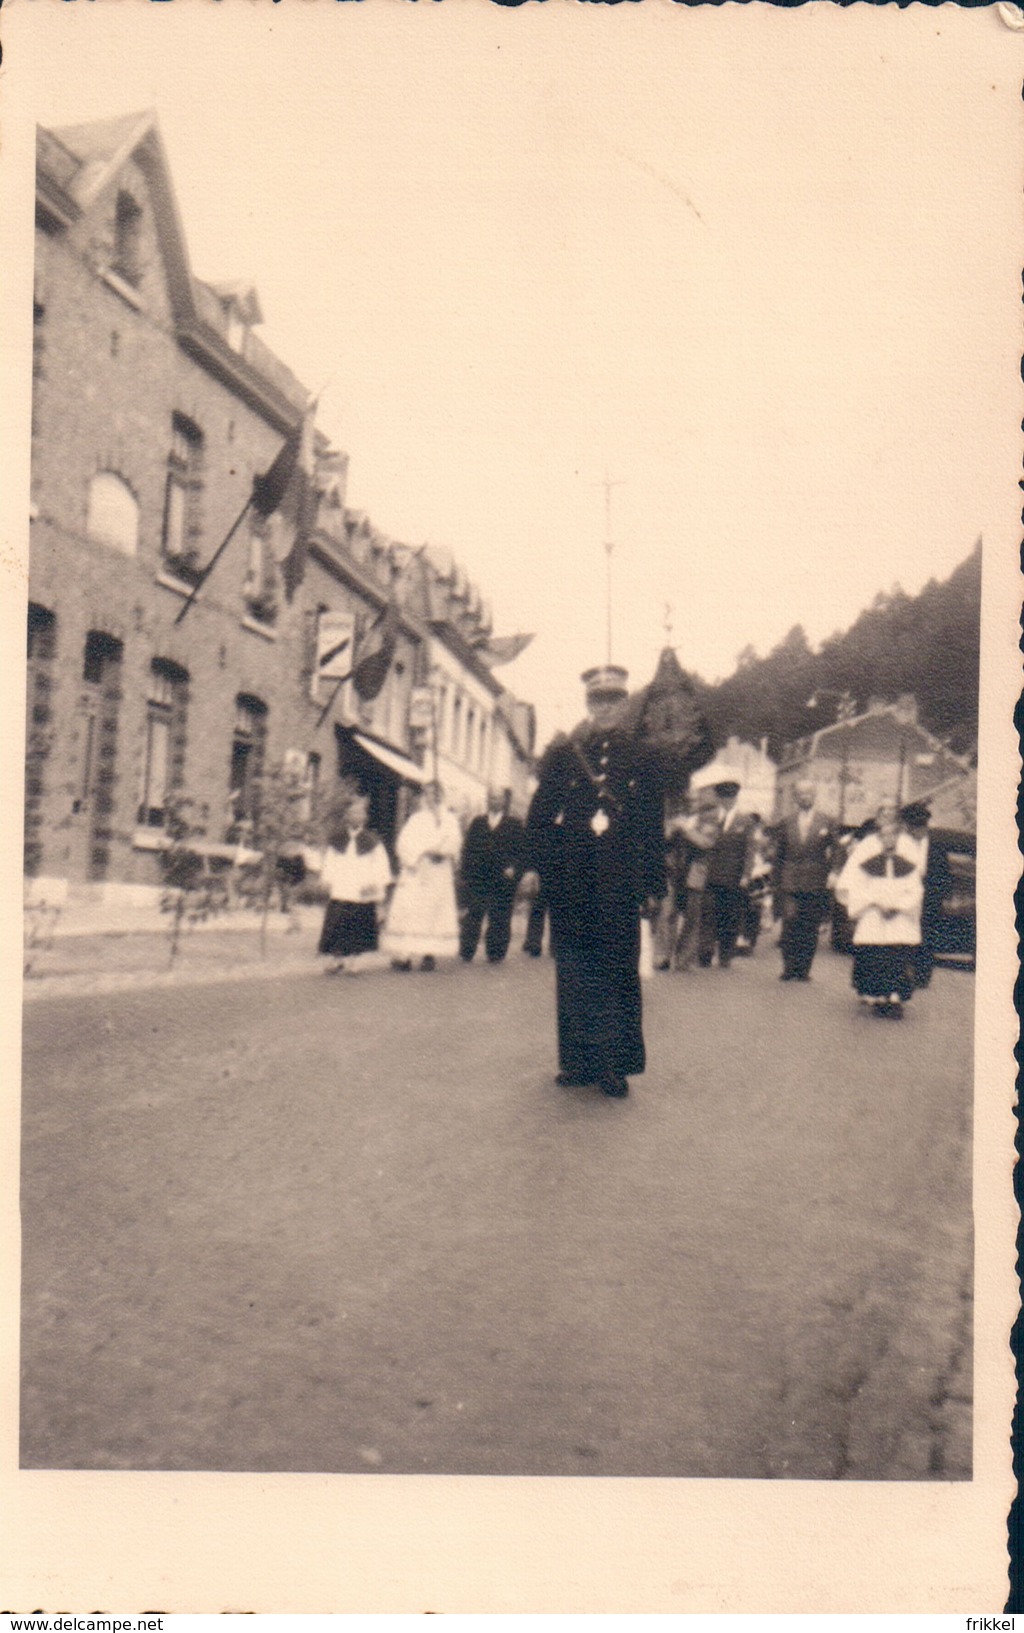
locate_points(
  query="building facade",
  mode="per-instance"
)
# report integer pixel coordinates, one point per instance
(884, 753)
(155, 406)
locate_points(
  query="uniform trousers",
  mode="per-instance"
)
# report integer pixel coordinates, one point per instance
(802, 913)
(721, 922)
(534, 942)
(497, 910)
(688, 946)
(667, 928)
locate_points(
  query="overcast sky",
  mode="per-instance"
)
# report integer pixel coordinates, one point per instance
(743, 261)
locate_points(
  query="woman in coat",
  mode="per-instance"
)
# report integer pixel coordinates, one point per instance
(881, 889)
(423, 923)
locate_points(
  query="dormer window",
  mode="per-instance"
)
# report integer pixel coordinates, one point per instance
(240, 309)
(127, 239)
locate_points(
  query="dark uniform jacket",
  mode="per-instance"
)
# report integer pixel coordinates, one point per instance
(595, 831)
(487, 852)
(732, 855)
(802, 865)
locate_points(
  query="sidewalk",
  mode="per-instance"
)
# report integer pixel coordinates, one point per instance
(93, 947)
(88, 947)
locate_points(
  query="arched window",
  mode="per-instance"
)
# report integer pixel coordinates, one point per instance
(112, 516)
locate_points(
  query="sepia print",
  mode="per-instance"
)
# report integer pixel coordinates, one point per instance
(517, 621)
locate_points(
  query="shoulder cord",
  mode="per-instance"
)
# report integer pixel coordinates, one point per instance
(602, 793)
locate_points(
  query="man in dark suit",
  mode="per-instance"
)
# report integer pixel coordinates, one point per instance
(805, 846)
(595, 833)
(936, 877)
(729, 865)
(493, 858)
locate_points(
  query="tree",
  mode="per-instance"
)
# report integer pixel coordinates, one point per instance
(281, 827)
(191, 893)
(927, 644)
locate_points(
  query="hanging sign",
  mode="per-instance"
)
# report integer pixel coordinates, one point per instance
(335, 637)
(421, 708)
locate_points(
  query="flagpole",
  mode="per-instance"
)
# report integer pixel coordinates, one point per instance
(211, 564)
(609, 546)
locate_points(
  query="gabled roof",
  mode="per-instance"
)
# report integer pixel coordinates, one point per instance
(102, 147)
(882, 721)
(888, 714)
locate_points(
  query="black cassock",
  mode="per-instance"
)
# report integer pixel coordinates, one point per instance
(596, 836)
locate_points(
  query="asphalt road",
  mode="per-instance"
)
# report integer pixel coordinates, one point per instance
(309, 1224)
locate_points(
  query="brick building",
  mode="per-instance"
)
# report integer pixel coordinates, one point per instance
(155, 405)
(479, 735)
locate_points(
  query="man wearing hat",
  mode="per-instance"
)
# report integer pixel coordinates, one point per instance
(595, 832)
(729, 866)
(805, 848)
(935, 873)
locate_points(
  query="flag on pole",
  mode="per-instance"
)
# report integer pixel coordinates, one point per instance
(283, 491)
(375, 652)
(498, 649)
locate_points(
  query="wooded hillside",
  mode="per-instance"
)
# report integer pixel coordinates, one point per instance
(927, 644)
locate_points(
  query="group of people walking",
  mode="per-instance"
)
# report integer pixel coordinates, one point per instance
(598, 857)
(445, 889)
(716, 872)
(728, 875)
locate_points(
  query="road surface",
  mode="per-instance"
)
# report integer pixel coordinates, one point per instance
(311, 1224)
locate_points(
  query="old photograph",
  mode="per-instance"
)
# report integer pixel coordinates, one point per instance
(511, 522)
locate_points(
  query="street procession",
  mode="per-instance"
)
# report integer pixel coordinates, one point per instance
(631, 871)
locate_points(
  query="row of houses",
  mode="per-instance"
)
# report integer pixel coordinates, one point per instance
(156, 406)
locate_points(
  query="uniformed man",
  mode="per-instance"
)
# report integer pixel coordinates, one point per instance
(595, 834)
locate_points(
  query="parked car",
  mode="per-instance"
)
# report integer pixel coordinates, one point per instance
(953, 855)
(956, 930)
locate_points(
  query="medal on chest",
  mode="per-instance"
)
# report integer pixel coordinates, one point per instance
(599, 821)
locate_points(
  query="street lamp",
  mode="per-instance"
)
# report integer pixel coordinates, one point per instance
(846, 708)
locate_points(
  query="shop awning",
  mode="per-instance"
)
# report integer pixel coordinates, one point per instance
(399, 763)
